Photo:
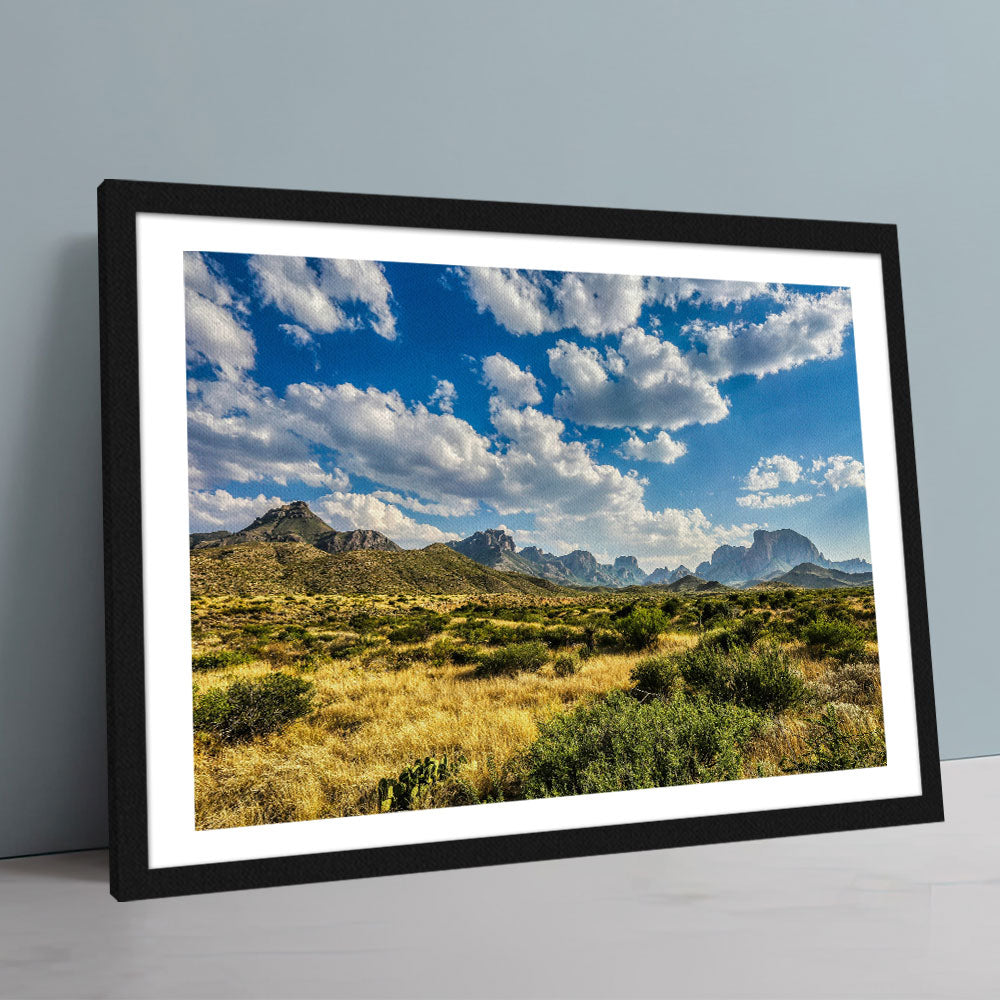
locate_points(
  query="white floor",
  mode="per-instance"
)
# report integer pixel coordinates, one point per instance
(908, 912)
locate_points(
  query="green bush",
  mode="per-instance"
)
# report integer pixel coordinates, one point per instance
(514, 659)
(641, 627)
(759, 678)
(834, 744)
(463, 655)
(442, 651)
(670, 606)
(419, 629)
(246, 709)
(566, 664)
(619, 743)
(840, 640)
(605, 640)
(218, 658)
(362, 622)
(560, 636)
(656, 675)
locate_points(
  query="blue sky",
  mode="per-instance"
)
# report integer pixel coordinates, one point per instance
(621, 414)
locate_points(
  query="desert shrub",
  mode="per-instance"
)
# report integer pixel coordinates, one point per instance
(307, 664)
(656, 675)
(623, 611)
(246, 709)
(854, 683)
(713, 611)
(724, 640)
(258, 630)
(218, 658)
(441, 651)
(393, 658)
(839, 740)
(641, 627)
(463, 655)
(606, 640)
(418, 630)
(560, 636)
(344, 649)
(566, 664)
(838, 639)
(362, 622)
(760, 678)
(514, 659)
(519, 615)
(528, 633)
(619, 743)
(670, 606)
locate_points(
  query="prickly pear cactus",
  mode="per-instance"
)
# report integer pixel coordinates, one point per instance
(411, 790)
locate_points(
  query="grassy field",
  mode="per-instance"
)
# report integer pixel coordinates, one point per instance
(314, 706)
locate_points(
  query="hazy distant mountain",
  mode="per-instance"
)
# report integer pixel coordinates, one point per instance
(851, 566)
(627, 570)
(664, 575)
(495, 548)
(821, 577)
(771, 554)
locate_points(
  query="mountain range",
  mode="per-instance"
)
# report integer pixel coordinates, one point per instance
(772, 554)
(487, 561)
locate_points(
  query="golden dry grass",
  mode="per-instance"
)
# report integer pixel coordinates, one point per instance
(371, 724)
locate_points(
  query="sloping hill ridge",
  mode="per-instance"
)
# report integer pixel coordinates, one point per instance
(822, 577)
(257, 568)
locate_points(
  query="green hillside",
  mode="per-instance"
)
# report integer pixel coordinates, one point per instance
(258, 568)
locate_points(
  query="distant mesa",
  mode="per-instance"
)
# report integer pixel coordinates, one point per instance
(782, 557)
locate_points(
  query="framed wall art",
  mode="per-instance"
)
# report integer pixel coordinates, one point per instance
(450, 533)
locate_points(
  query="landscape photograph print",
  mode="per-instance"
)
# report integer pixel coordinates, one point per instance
(472, 535)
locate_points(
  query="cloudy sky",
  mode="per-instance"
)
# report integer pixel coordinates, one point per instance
(655, 417)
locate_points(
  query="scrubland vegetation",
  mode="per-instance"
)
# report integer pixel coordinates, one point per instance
(313, 706)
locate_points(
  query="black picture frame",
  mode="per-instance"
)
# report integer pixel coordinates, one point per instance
(119, 202)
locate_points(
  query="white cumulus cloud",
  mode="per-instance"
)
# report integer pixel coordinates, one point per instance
(646, 382)
(662, 448)
(444, 396)
(314, 296)
(535, 302)
(215, 331)
(769, 473)
(510, 382)
(843, 472)
(764, 501)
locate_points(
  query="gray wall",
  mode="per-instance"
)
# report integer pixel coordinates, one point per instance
(839, 110)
